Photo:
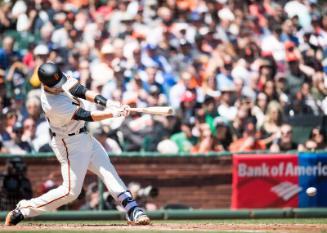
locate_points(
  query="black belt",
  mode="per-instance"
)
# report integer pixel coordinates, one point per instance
(81, 130)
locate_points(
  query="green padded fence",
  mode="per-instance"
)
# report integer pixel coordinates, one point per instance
(127, 154)
(187, 214)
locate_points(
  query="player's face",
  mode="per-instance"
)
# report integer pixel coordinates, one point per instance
(29, 125)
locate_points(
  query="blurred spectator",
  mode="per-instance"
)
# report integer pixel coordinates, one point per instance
(167, 146)
(205, 142)
(224, 135)
(270, 91)
(273, 121)
(16, 186)
(310, 145)
(103, 72)
(259, 109)
(144, 195)
(226, 108)
(37, 142)
(34, 111)
(110, 145)
(3, 150)
(249, 140)
(16, 83)
(184, 139)
(318, 135)
(33, 106)
(3, 132)
(48, 184)
(225, 79)
(7, 53)
(283, 141)
(243, 115)
(298, 106)
(177, 91)
(92, 199)
(188, 103)
(161, 129)
(16, 145)
(10, 121)
(40, 55)
(134, 129)
(209, 108)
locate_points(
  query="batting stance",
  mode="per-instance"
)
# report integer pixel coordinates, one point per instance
(76, 150)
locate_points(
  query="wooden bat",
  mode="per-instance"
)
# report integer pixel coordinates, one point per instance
(158, 110)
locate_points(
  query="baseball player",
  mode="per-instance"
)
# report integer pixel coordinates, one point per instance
(76, 150)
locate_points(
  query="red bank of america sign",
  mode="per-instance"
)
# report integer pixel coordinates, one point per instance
(263, 181)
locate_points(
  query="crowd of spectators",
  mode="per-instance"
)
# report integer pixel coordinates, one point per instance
(235, 71)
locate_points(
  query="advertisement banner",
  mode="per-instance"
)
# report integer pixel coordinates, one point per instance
(279, 180)
(264, 181)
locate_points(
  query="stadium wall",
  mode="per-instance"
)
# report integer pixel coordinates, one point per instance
(195, 181)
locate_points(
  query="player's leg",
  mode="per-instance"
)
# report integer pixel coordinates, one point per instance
(100, 164)
(74, 162)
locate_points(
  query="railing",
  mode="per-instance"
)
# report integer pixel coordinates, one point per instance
(193, 214)
(154, 154)
(124, 154)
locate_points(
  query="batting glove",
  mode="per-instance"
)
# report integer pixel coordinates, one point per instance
(120, 112)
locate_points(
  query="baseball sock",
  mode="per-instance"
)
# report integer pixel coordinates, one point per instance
(127, 202)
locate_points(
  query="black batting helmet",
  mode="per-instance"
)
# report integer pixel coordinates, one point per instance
(50, 74)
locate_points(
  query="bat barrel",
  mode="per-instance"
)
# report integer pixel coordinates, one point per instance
(157, 110)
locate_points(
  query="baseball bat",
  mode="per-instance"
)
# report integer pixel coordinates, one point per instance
(157, 110)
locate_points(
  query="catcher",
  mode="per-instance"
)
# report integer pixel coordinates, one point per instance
(76, 150)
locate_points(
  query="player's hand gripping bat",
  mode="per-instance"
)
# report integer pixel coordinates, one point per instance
(157, 110)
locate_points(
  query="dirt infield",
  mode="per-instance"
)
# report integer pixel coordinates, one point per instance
(209, 227)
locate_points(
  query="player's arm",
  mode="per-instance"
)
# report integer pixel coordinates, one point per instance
(82, 92)
(84, 115)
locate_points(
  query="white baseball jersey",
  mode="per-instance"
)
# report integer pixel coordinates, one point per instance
(60, 108)
(76, 153)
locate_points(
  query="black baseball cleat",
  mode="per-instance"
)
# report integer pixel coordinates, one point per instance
(14, 217)
(138, 217)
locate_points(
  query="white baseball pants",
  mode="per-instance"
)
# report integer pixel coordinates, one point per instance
(76, 154)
